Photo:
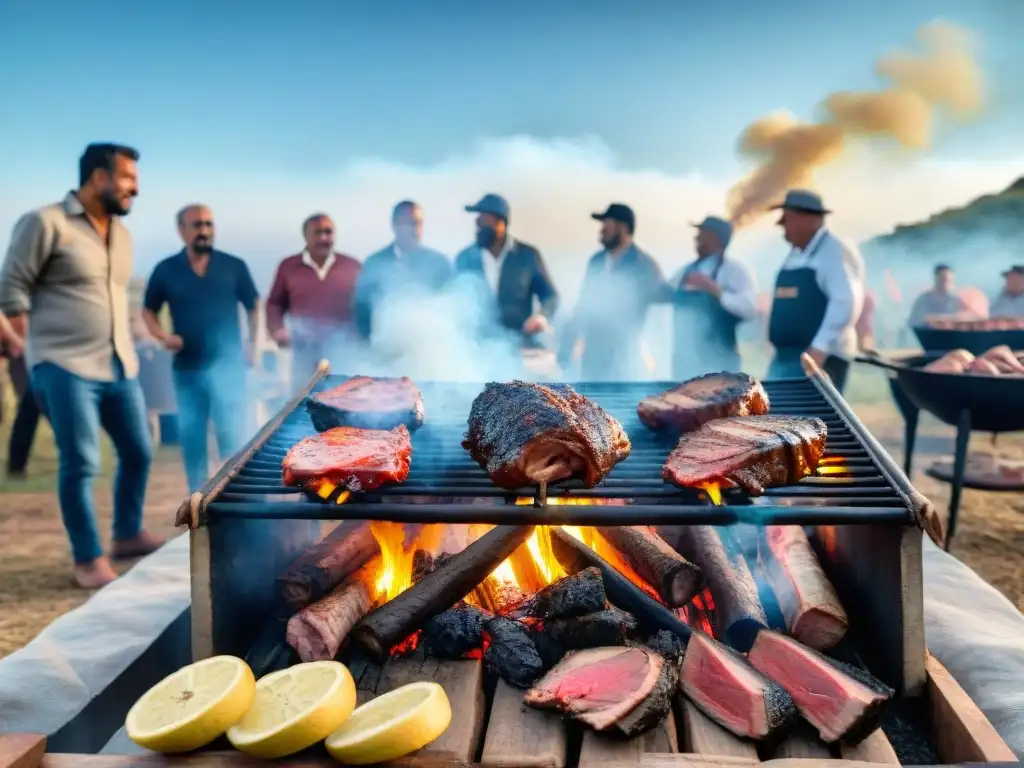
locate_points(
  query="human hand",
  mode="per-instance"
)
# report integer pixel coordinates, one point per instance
(816, 355)
(174, 343)
(535, 324)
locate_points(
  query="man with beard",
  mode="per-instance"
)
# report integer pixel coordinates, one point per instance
(316, 289)
(620, 284)
(203, 288)
(64, 286)
(513, 273)
(403, 270)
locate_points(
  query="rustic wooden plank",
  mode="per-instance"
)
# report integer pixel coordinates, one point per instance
(962, 732)
(224, 760)
(602, 749)
(686, 760)
(21, 750)
(802, 743)
(703, 736)
(876, 748)
(202, 596)
(520, 736)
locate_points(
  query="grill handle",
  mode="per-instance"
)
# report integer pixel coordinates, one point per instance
(878, 362)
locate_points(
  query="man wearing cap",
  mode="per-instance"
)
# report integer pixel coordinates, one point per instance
(620, 284)
(819, 293)
(712, 296)
(512, 271)
(1010, 303)
(942, 299)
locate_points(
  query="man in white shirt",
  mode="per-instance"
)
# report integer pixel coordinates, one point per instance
(1010, 303)
(712, 296)
(942, 299)
(819, 293)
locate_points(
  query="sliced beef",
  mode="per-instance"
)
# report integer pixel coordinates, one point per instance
(732, 693)
(528, 434)
(608, 627)
(956, 361)
(844, 703)
(511, 653)
(369, 403)
(752, 452)
(574, 595)
(454, 633)
(355, 459)
(695, 402)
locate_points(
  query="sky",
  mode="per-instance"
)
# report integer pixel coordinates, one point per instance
(270, 112)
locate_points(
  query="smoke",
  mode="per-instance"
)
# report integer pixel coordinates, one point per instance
(946, 75)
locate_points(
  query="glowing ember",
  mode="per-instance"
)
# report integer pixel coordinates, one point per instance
(714, 492)
(836, 469)
(325, 488)
(396, 561)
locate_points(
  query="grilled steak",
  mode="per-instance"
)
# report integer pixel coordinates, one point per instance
(355, 459)
(526, 434)
(752, 452)
(697, 401)
(732, 693)
(844, 703)
(367, 402)
(624, 689)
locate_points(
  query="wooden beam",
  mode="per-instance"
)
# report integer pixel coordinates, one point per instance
(520, 736)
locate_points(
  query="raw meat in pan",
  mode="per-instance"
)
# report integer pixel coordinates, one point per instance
(354, 459)
(713, 396)
(369, 403)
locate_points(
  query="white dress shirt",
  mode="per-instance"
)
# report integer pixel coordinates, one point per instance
(839, 269)
(739, 291)
(321, 271)
(492, 266)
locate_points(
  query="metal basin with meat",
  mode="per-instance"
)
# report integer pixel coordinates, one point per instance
(974, 341)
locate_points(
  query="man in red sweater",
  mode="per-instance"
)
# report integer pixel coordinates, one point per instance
(315, 288)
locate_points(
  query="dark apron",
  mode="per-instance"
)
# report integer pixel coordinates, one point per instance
(704, 338)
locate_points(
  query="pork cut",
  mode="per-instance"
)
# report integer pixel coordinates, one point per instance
(721, 683)
(626, 690)
(712, 396)
(527, 434)
(752, 452)
(369, 403)
(842, 702)
(354, 459)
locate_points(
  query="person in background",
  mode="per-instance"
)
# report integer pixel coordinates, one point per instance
(712, 296)
(819, 293)
(203, 288)
(942, 299)
(26, 419)
(866, 323)
(619, 286)
(402, 269)
(1010, 303)
(64, 287)
(315, 290)
(513, 273)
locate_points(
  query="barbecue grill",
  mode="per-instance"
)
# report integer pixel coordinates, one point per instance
(975, 342)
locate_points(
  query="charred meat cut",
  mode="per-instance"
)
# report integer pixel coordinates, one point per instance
(695, 402)
(527, 434)
(752, 452)
(369, 403)
(355, 459)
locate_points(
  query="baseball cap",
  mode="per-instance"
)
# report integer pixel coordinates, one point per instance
(618, 212)
(495, 205)
(802, 200)
(720, 227)
(1016, 269)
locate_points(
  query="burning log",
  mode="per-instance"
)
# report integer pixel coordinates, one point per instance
(575, 595)
(318, 630)
(452, 634)
(739, 614)
(438, 590)
(511, 654)
(675, 579)
(326, 564)
(422, 564)
(807, 599)
(607, 627)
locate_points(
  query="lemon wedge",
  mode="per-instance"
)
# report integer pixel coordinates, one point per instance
(193, 706)
(294, 709)
(392, 725)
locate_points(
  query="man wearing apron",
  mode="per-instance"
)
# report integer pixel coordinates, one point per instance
(818, 294)
(711, 296)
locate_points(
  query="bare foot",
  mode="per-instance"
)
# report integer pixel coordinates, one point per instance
(141, 545)
(95, 573)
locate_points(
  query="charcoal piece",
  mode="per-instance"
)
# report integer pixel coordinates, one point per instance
(454, 633)
(549, 650)
(575, 595)
(270, 651)
(668, 645)
(511, 654)
(607, 627)
(656, 706)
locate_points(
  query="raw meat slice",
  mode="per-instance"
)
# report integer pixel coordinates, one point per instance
(984, 367)
(655, 707)
(752, 452)
(695, 402)
(355, 459)
(956, 361)
(844, 703)
(369, 403)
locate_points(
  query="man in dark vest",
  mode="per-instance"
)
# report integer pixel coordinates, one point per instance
(818, 294)
(712, 296)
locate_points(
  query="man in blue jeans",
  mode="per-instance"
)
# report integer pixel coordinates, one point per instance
(64, 287)
(203, 288)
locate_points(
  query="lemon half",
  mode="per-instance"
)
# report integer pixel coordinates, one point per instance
(294, 709)
(193, 706)
(392, 725)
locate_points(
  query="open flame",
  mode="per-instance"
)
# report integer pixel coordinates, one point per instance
(714, 492)
(395, 575)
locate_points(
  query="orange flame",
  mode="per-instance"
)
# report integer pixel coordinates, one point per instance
(834, 469)
(714, 492)
(395, 575)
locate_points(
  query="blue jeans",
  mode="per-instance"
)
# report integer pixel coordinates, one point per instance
(214, 393)
(77, 408)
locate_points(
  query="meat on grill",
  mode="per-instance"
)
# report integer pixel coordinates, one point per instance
(369, 403)
(527, 434)
(712, 396)
(628, 690)
(752, 452)
(844, 703)
(998, 361)
(355, 459)
(721, 683)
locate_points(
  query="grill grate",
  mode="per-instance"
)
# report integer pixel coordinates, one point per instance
(446, 485)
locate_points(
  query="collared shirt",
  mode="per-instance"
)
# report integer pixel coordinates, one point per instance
(934, 302)
(492, 266)
(322, 270)
(839, 272)
(316, 306)
(1007, 306)
(739, 291)
(74, 288)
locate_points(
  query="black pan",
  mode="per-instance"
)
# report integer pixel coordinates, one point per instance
(994, 402)
(975, 342)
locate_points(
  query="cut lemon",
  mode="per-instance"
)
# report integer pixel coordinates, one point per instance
(392, 725)
(294, 709)
(193, 706)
